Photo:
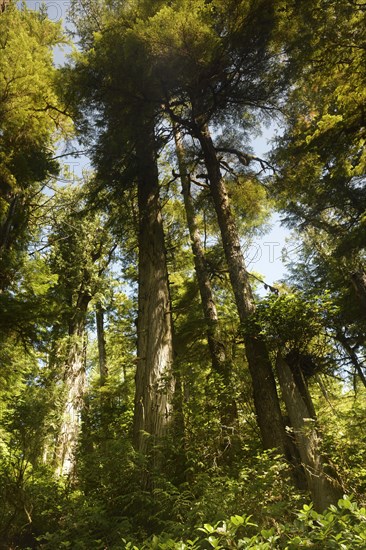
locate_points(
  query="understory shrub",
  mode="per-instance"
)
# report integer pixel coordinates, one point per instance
(341, 527)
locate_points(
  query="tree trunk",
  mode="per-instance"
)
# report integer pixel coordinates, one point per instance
(220, 363)
(102, 355)
(104, 400)
(74, 386)
(266, 400)
(154, 378)
(324, 488)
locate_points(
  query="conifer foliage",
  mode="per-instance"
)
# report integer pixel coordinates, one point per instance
(151, 396)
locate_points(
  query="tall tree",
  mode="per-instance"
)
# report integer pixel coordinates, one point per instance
(115, 81)
(231, 68)
(227, 52)
(264, 387)
(219, 356)
(154, 375)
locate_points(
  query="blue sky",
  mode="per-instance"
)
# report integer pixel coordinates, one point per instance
(265, 255)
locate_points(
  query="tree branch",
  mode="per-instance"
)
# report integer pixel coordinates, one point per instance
(245, 158)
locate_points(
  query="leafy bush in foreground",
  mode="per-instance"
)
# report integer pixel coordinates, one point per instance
(340, 527)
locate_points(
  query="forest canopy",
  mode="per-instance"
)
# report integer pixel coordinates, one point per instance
(156, 392)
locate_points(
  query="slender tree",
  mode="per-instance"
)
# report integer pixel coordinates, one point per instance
(264, 387)
(220, 362)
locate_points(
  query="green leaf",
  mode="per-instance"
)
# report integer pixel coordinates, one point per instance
(215, 542)
(237, 520)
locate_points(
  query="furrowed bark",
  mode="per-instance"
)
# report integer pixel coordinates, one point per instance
(154, 377)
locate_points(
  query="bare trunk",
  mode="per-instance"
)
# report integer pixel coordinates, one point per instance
(74, 386)
(220, 363)
(102, 355)
(324, 488)
(154, 377)
(266, 400)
